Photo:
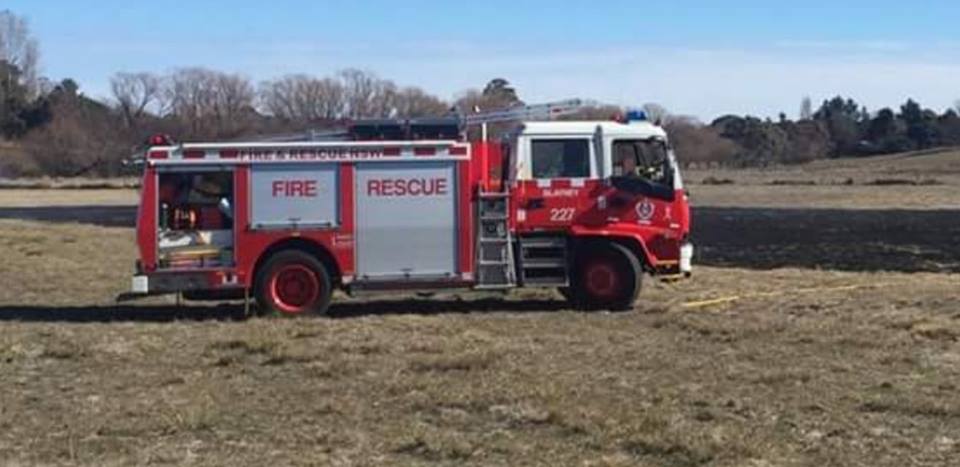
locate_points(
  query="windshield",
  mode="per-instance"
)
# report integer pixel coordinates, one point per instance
(643, 158)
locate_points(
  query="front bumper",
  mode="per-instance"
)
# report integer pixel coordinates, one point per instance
(140, 284)
(183, 281)
(686, 258)
(215, 283)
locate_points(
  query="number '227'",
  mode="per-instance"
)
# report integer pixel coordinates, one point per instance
(562, 214)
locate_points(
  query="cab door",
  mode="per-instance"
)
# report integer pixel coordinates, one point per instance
(552, 181)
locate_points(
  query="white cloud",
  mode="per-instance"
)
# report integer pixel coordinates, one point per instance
(862, 45)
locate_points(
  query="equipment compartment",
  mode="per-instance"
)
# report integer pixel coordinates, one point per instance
(195, 212)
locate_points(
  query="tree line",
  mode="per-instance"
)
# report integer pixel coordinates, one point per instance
(840, 127)
(52, 128)
(62, 132)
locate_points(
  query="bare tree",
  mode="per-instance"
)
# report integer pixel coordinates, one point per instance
(698, 144)
(303, 98)
(474, 101)
(498, 94)
(19, 48)
(134, 93)
(79, 140)
(656, 112)
(210, 103)
(360, 88)
(366, 95)
(352, 94)
(233, 98)
(189, 97)
(385, 100)
(412, 102)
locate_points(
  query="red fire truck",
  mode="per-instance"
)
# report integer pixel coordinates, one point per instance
(586, 207)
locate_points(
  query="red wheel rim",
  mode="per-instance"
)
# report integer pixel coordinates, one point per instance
(294, 288)
(602, 279)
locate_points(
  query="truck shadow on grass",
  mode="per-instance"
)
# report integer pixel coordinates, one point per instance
(235, 312)
(753, 238)
(104, 216)
(124, 313)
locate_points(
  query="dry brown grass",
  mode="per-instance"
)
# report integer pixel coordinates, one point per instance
(929, 180)
(70, 183)
(802, 370)
(22, 197)
(846, 377)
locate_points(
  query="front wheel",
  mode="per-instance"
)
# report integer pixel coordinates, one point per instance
(606, 276)
(293, 283)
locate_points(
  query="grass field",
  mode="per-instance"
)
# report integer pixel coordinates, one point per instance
(926, 181)
(820, 328)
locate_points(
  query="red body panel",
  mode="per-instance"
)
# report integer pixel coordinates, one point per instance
(251, 244)
(593, 208)
(344, 241)
(487, 165)
(465, 243)
(147, 221)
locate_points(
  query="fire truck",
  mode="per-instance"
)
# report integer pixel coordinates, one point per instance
(585, 207)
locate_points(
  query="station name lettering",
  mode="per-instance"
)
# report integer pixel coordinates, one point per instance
(561, 193)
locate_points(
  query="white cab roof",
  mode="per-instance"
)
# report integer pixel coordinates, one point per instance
(640, 130)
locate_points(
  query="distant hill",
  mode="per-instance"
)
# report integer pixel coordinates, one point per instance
(927, 167)
(930, 162)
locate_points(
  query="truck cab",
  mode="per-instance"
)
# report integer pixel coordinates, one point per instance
(594, 205)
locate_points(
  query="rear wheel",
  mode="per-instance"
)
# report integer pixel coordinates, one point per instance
(293, 283)
(606, 276)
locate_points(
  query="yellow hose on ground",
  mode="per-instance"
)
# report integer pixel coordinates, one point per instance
(734, 298)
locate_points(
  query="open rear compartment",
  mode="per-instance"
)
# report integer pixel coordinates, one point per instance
(195, 212)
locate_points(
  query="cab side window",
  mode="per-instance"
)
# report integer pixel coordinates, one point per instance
(560, 158)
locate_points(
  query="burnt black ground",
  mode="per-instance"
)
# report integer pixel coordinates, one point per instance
(836, 239)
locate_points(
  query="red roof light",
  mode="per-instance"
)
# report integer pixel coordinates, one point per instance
(161, 140)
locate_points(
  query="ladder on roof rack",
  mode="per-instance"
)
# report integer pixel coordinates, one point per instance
(547, 111)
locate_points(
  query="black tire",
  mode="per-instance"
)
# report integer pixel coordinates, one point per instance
(293, 283)
(606, 276)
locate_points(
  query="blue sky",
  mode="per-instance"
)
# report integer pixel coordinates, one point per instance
(699, 58)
